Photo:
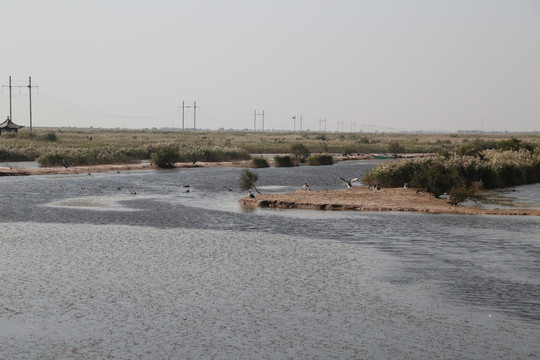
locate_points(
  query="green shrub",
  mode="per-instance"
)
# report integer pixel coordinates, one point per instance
(455, 173)
(248, 179)
(53, 159)
(165, 156)
(259, 162)
(320, 159)
(300, 151)
(50, 136)
(212, 154)
(283, 161)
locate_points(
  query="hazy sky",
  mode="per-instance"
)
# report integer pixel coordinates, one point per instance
(381, 65)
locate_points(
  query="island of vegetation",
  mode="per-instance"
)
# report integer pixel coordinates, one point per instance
(439, 169)
(433, 184)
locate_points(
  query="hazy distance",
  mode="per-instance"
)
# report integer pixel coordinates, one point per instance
(361, 65)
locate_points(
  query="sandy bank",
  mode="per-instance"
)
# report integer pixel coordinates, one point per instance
(4, 171)
(364, 199)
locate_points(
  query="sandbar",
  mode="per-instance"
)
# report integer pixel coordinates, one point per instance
(365, 199)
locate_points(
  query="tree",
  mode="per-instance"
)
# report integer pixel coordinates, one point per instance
(248, 179)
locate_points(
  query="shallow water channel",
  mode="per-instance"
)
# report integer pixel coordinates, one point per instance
(473, 280)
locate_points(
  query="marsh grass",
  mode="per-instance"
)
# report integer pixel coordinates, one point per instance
(133, 145)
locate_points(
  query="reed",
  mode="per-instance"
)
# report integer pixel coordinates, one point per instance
(448, 173)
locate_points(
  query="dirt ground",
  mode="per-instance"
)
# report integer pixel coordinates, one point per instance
(364, 199)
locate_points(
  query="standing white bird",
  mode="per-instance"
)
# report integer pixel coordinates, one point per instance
(349, 182)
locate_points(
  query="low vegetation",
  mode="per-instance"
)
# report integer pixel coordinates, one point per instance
(320, 159)
(461, 173)
(259, 162)
(283, 161)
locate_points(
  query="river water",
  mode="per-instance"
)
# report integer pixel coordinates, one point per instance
(90, 270)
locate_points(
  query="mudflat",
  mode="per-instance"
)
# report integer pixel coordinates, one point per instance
(365, 199)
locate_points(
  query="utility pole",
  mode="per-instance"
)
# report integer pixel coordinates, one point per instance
(30, 98)
(340, 122)
(183, 108)
(255, 120)
(29, 86)
(10, 114)
(9, 86)
(194, 114)
(294, 122)
(300, 122)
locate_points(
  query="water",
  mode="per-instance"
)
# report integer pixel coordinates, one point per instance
(450, 275)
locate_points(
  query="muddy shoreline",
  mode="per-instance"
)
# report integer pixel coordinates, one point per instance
(364, 199)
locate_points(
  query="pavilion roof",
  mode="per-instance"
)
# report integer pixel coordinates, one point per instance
(8, 124)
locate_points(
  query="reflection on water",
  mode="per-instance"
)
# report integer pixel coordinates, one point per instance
(490, 262)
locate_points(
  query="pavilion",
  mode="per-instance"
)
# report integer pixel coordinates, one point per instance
(9, 126)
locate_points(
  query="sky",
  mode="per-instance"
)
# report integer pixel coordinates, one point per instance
(381, 65)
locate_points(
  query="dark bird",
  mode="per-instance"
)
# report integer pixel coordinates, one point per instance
(251, 195)
(349, 182)
(305, 186)
(64, 163)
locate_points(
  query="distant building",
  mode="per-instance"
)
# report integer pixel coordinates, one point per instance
(9, 126)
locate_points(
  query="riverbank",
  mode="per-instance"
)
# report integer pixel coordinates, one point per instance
(364, 199)
(8, 171)
(58, 170)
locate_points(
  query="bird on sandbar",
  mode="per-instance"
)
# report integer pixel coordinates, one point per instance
(305, 186)
(349, 182)
(251, 195)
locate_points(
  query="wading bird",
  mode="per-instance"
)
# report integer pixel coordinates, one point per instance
(349, 182)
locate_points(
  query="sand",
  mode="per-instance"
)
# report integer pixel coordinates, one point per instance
(365, 199)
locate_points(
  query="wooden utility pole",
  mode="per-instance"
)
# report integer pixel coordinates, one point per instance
(30, 98)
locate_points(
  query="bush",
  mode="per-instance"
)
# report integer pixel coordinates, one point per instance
(247, 180)
(283, 161)
(50, 136)
(165, 156)
(300, 151)
(459, 194)
(259, 162)
(394, 147)
(458, 173)
(320, 159)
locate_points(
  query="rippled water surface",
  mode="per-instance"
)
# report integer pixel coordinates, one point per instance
(484, 264)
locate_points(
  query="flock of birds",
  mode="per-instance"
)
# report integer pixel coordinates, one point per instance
(349, 183)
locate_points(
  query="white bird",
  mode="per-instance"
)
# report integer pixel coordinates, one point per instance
(349, 182)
